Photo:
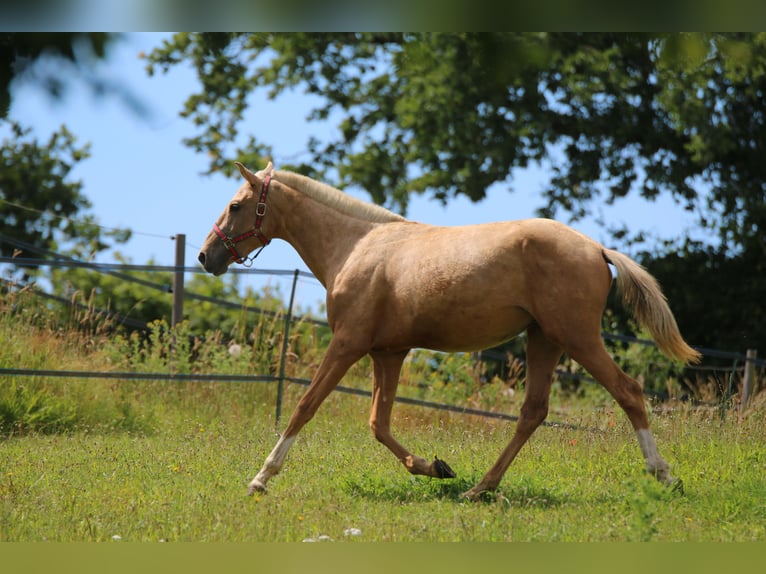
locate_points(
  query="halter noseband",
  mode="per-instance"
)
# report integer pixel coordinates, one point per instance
(231, 242)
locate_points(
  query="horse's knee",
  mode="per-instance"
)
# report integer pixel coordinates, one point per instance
(374, 429)
(532, 414)
(379, 431)
(629, 388)
(630, 396)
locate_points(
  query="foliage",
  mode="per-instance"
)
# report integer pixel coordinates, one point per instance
(454, 113)
(33, 336)
(42, 207)
(23, 57)
(28, 407)
(715, 297)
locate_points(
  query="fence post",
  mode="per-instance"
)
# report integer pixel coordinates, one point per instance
(178, 281)
(749, 379)
(285, 340)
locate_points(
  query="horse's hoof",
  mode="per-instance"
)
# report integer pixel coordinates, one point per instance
(473, 495)
(256, 487)
(677, 486)
(442, 469)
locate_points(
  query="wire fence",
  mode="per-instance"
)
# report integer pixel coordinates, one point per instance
(233, 378)
(743, 363)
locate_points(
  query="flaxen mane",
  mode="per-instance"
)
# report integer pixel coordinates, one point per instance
(336, 199)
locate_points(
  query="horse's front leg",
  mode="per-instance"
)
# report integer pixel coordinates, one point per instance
(337, 360)
(387, 367)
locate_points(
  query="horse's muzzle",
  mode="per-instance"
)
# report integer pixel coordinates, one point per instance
(207, 264)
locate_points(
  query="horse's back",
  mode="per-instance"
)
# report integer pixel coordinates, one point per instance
(442, 256)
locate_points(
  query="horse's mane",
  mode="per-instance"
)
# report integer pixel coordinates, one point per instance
(336, 199)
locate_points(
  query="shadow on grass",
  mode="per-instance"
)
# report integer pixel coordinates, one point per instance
(524, 493)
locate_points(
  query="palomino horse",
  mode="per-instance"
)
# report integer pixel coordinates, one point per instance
(394, 284)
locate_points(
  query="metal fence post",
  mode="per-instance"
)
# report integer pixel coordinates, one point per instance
(749, 378)
(285, 340)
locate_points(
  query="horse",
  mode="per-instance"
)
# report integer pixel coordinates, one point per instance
(393, 284)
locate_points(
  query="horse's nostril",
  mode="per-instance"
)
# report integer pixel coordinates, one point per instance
(201, 257)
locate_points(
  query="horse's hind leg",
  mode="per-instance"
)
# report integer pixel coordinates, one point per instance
(387, 367)
(542, 357)
(591, 354)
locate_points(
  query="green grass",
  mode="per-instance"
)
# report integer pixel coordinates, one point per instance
(89, 460)
(186, 481)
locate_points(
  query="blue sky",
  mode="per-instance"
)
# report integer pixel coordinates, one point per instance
(141, 176)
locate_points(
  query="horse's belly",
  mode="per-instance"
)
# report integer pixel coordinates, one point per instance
(445, 328)
(465, 330)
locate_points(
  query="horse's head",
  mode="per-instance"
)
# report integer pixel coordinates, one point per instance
(238, 230)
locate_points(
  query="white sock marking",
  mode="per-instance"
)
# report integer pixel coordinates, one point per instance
(273, 462)
(654, 462)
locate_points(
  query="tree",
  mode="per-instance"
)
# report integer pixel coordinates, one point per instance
(42, 207)
(21, 56)
(447, 114)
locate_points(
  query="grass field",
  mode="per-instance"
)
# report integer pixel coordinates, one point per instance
(186, 481)
(90, 460)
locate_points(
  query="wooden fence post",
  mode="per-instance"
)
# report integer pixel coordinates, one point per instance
(749, 379)
(178, 281)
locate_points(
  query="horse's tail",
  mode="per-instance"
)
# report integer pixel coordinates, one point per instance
(641, 292)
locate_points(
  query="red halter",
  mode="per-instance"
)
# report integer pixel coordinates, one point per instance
(260, 211)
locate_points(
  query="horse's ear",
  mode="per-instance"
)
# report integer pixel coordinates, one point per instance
(246, 173)
(266, 170)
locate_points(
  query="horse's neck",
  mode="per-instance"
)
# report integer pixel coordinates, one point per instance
(322, 236)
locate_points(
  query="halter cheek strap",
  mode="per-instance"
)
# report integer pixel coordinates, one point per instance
(231, 242)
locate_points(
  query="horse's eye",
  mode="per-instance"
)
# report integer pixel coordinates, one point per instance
(234, 207)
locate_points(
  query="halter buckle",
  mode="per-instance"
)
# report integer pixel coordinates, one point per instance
(260, 209)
